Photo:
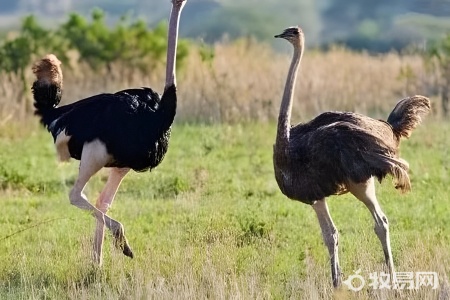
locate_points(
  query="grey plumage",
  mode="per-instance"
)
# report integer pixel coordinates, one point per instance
(339, 152)
(338, 147)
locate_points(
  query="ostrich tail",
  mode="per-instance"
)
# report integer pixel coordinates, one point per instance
(381, 164)
(47, 88)
(407, 114)
(399, 170)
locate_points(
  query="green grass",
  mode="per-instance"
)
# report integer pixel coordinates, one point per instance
(210, 222)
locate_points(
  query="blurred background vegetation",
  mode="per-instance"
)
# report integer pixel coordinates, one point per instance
(361, 24)
(363, 49)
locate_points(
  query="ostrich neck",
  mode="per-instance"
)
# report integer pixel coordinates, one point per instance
(172, 45)
(284, 118)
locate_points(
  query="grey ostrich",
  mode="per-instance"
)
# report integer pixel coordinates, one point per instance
(340, 152)
(129, 129)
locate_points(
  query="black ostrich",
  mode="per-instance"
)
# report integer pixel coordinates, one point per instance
(126, 130)
(339, 152)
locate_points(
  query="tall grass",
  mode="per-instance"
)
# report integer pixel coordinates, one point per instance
(244, 81)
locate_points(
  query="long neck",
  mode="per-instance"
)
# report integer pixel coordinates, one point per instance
(172, 45)
(284, 118)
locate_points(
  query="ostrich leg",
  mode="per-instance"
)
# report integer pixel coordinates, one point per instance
(93, 157)
(104, 201)
(330, 237)
(365, 192)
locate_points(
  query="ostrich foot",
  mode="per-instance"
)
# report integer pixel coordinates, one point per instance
(120, 241)
(127, 251)
(337, 276)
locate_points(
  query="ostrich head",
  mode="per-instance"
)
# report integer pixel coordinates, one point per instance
(294, 35)
(178, 3)
(48, 70)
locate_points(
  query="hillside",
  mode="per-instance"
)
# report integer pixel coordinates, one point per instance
(376, 25)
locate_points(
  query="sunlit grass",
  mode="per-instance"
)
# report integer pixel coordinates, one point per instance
(211, 223)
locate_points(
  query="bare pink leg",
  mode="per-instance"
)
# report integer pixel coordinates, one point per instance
(94, 157)
(104, 201)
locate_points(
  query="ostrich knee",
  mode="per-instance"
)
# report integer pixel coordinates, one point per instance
(74, 197)
(103, 207)
(331, 240)
(334, 239)
(78, 199)
(382, 231)
(382, 228)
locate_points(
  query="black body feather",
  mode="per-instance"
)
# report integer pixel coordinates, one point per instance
(134, 124)
(46, 97)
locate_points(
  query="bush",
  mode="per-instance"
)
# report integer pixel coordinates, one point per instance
(98, 45)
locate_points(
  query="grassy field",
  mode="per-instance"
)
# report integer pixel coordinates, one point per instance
(244, 80)
(210, 223)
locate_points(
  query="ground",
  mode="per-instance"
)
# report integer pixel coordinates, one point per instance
(210, 222)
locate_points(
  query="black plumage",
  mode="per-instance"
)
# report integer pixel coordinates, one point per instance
(133, 124)
(129, 129)
(47, 97)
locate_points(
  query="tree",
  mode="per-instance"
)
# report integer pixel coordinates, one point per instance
(130, 43)
(16, 54)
